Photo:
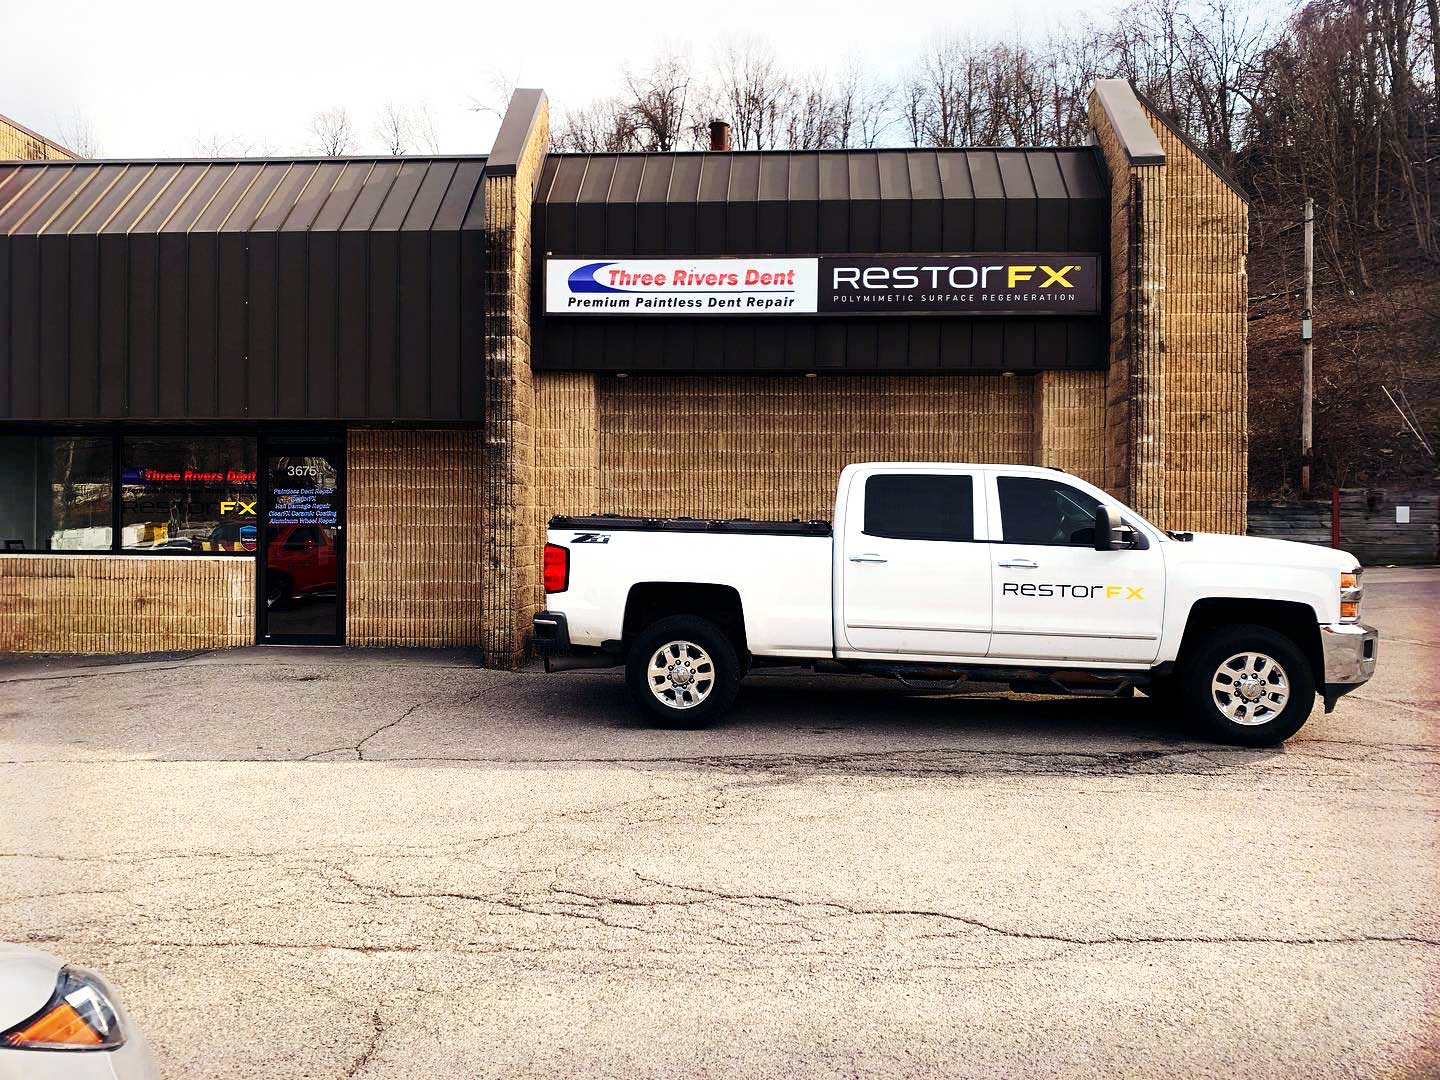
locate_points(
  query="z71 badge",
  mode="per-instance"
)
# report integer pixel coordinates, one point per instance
(591, 538)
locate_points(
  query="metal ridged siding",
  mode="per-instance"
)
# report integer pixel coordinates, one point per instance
(810, 203)
(335, 289)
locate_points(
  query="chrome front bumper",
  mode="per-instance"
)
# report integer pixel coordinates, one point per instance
(1350, 651)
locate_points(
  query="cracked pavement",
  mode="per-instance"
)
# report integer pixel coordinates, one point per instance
(309, 863)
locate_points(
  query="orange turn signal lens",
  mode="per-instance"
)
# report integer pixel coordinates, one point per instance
(61, 1026)
(1349, 581)
(78, 1016)
(1349, 609)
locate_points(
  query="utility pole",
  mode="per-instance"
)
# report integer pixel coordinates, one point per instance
(1307, 378)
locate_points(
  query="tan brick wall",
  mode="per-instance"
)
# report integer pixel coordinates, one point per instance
(772, 446)
(125, 604)
(513, 526)
(567, 443)
(1069, 422)
(415, 535)
(1206, 237)
(1176, 435)
(18, 144)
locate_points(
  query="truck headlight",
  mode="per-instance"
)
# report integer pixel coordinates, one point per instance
(78, 1016)
(1350, 594)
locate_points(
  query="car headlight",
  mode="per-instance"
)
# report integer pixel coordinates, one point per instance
(1350, 593)
(78, 1016)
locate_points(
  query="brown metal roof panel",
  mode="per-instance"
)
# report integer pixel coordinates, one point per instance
(212, 200)
(715, 178)
(373, 190)
(228, 198)
(894, 174)
(774, 178)
(197, 199)
(18, 217)
(804, 176)
(548, 168)
(834, 176)
(568, 178)
(146, 192)
(464, 189)
(342, 196)
(1015, 175)
(309, 201)
(80, 204)
(110, 192)
(8, 171)
(1045, 171)
(625, 185)
(954, 168)
(68, 200)
(596, 185)
(282, 200)
(249, 204)
(985, 174)
(685, 179)
(655, 183)
(170, 200)
(1081, 170)
(744, 178)
(402, 193)
(427, 200)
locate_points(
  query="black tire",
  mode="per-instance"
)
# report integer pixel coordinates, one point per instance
(716, 695)
(1201, 672)
(278, 590)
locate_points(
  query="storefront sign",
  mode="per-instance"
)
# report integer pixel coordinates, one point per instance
(1035, 284)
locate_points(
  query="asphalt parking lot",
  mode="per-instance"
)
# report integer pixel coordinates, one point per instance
(299, 863)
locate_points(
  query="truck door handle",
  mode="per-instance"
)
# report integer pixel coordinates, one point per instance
(867, 558)
(1019, 564)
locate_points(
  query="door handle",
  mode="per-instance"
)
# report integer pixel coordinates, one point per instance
(867, 558)
(1019, 564)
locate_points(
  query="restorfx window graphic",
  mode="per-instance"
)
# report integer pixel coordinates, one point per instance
(1039, 283)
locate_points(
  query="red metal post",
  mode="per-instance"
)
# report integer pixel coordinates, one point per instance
(1334, 517)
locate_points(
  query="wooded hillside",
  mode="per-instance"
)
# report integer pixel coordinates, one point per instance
(1334, 100)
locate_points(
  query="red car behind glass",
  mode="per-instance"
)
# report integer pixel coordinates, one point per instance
(300, 560)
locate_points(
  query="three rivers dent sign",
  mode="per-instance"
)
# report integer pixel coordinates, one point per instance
(1031, 283)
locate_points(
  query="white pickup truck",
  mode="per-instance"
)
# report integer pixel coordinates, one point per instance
(991, 573)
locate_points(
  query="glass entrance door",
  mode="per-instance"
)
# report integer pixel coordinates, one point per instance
(302, 561)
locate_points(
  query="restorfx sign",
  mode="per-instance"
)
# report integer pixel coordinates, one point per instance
(833, 285)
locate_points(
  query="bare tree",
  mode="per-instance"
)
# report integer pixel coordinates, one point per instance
(394, 129)
(217, 145)
(423, 130)
(77, 133)
(753, 92)
(332, 132)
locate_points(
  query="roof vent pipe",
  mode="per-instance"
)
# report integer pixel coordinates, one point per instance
(719, 135)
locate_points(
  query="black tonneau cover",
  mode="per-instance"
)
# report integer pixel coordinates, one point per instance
(617, 522)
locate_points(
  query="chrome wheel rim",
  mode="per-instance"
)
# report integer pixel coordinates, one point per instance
(681, 674)
(1250, 688)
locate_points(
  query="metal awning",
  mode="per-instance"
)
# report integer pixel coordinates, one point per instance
(242, 289)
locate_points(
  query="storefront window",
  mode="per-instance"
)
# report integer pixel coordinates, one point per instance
(55, 493)
(182, 494)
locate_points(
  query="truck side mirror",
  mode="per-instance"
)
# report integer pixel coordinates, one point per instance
(1105, 526)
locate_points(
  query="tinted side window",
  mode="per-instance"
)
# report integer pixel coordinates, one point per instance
(911, 506)
(1036, 510)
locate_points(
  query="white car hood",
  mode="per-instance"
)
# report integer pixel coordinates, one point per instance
(27, 979)
(1222, 547)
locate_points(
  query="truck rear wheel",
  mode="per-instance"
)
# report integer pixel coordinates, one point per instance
(682, 671)
(1248, 685)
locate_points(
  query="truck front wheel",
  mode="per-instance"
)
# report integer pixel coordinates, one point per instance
(683, 671)
(1248, 685)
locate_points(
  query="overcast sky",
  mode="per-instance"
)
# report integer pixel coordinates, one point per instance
(158, 79)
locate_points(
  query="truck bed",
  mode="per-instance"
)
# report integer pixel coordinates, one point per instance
(738, 526)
